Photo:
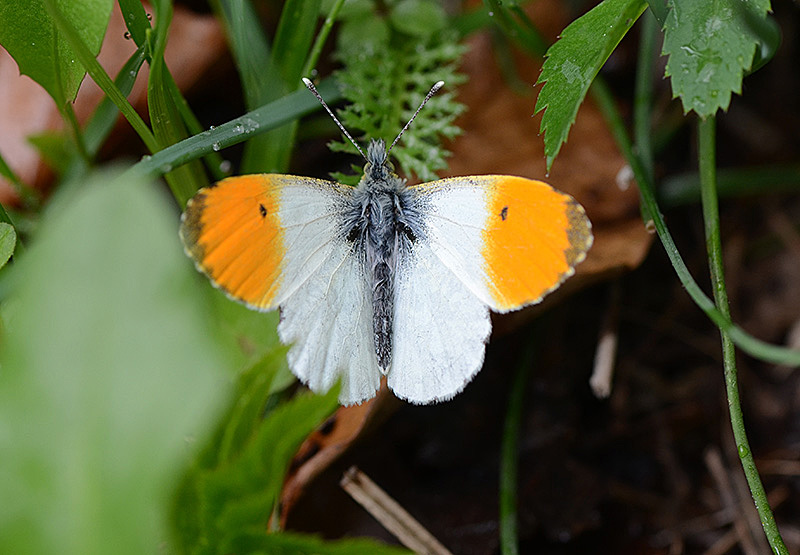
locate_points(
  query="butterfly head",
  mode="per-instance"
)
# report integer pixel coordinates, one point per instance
(378, 166)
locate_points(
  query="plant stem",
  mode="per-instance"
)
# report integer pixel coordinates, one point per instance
(745, 341)
(319, 42)
(708, 191)
(509, 525)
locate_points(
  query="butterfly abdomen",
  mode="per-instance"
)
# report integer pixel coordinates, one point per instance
(380, 227)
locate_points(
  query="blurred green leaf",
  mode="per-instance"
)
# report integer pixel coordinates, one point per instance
(710, 44)
(8, 241)
(296, 544)
(109, 375)
(28, 33)
(418, 18)
(55, 148)
(232, 491)
(573, 62)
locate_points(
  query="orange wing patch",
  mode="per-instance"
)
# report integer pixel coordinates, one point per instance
(534, 237)
(233, 233)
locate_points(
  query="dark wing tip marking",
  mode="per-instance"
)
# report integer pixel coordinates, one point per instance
(192, 228)
(579, 233)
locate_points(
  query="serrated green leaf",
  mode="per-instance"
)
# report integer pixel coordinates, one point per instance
(29, 35)
(8, 241)
(107, 376)
(710, 44)
(386, 77)
(573, 62)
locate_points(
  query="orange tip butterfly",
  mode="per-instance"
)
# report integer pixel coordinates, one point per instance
(385, 279)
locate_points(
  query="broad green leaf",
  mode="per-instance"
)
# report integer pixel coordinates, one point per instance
(29, 35)
(8, 241)
(234, 487)
(109, 376)
(573, 62)
(710, 44)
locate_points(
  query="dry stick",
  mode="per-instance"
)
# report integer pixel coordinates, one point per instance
(606, 354)
(390, 514)
(729, 498)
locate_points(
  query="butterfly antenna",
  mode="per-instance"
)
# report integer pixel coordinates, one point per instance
(434, 89)
(313, 89)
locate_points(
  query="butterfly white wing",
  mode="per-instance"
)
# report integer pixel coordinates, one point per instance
(495, 242)
(275, 240)
(440, 328)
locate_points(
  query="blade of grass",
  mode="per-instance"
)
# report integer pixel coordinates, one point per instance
(274, 114)
(167, 124)
(214, 162)
(643, 99)
(105, 116)
(289, 53)
(685, 189)
(746, 342)
(322, 36)
(135, 20)
(519, 29)
(99, 75)
(260, 79)
(706, 153)
(509, 455)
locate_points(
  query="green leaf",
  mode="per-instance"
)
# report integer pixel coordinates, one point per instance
(109, 375)
(418, 18)
(28, 33)
(573, 62)
(296, 544)
(232, 490)
(710, 44)
(8, 241)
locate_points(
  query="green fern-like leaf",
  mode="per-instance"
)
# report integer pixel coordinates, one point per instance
(391, 58)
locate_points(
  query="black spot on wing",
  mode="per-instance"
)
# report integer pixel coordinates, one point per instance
(262, 210)
(504, 213)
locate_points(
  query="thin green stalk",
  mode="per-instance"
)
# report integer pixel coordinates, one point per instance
(100, 76)
(643, 99)
(322, 36)
(745, 341)
(509, 459)
(708, 189)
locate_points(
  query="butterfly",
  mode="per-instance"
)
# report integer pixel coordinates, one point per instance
(385, 278)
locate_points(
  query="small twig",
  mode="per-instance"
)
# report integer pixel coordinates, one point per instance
(390, 514)
(606, 354)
